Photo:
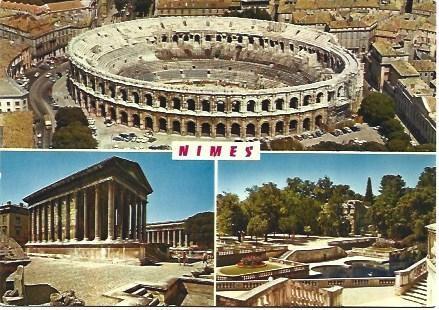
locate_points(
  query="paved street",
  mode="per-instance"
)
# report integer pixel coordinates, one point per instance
(90, 280)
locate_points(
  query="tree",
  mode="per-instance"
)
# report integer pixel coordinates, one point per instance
(230, 216)
(255, 13)
(74, 136)
(377, 108)
(391, 126)
(200, 228)
(257, 226)
(286, 144)
(68, 115)
(288, 224)
(398, 145)
(368, 197)
(142, 6)
(120, 4)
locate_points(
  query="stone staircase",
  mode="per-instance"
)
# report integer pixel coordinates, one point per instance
(418, 293)
(286, 254)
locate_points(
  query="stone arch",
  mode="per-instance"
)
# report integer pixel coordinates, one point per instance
(340, 91)
(319, 121)
(293, 126)
(279, 129)
(101, 108)
(265, 129)
(306, 124)
(176, 103)
(136, 97)
(236, 130)
(306, 100)
(319, 97)
(186, 37)
(112, 89)
(149, 123)
(218, 38)
(123, 94)
(175, 38)
(205, 129)
(190, 104)
(205, 105)
(176, 127)
(220, 130)
(279, 104)
(250, 130)
(265, 105)
(148, 99)
(123, 118)
(251, 105)
(220, 106)
(164, 38)
(236, 106)
(191, 128)
(294, 103)
(136, 120)
(229, 39)
(112, 113)
(162, 101)
(163, 125)
(101, 86)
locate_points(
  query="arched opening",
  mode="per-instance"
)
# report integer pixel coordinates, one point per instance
(175, 38)
(123, 94)
(236, 106)
(236, 130)
(319, 98)
(112, 91)
(123, 118)
(136, 120)
(229, 39)
(112, 112)
(176, 103)
(319, 121)
(265, 129)
(164, 38)
(307, 100)
(186, 37)
(251, 106)
(306, 124)
(205, 105)
(176, 127)
(102, 88)
(149, 123)
(197, 38)
(93, 86)
(220, 106)
(279, 104)
(293, 126)
(279, 128)
(294, 103)
(190, 128)
(102, 110)
(162, 125)
(136, 97)
(218, 38)
(250, 130)
(205, 129)
(92, 105)
(148, 99)
(340, 91)
(220, 130)
(265, 105)
(162, 101)
(239, 39)
(190, 104)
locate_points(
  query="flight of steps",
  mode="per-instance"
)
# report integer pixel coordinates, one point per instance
(418, 293)
(286, 254)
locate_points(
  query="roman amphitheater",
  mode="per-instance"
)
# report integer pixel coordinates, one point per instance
(214, 77)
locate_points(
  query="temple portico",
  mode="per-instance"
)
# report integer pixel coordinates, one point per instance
(170, 233)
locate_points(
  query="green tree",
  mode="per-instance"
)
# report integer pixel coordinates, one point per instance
(120, 4)
(257, 226)
(255, 13)
(74, 136)
(230, 216)
(398, 145)
(368, 197)
(377, 108)
(288, 224)
(200, 228)
(141, 7)
(68, 115)
(391, 126)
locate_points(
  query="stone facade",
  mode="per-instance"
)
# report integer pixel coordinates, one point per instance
(212, 111)
(92, 213)
(171, 233)
(14, 221)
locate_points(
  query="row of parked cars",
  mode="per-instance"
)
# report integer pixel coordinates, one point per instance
(344, 130)
(132, 137)
(310, 135)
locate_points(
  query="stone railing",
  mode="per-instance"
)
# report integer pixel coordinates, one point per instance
(385, 254)
(247, 250)
(238, 285)
(283, 292)
(348, 282)
(296, 269)
(408, 277)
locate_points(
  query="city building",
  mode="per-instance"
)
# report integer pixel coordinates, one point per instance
(194, 7)
(171, 233)
(97, 213)
(14, 222)
(426, 69)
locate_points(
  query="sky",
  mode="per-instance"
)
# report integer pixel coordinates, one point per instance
(350, 169)
(180, 188)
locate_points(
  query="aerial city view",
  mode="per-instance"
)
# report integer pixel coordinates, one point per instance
(105, 230)
(297, 236)
(294, 75)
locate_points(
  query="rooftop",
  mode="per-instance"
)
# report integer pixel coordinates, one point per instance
(66, 5)
(304, 18)
(17, 129)
(385, 48)
(404, 68)
(34, 26)
(366, 21)
(193, 4)
(10, 89)
(9, 50)
(423, 65)
(416, 87)
(23, 7)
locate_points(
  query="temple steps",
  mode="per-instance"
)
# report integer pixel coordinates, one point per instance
(418, 293)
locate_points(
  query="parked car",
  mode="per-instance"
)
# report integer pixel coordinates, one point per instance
(117, 138)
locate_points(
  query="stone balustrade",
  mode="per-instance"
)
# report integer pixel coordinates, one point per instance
(284, 292)
(292, 270)
(238, 285)
(408, 277)
(349, 282)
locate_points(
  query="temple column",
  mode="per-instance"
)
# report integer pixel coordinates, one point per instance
(163, 237)
(110, 217)
(144, 218)
(120, 211)
(179, 237)
(73, 217)
(66, 226)
(86, 230)
(52, 220)
(32, 228)
(49, 222)
(44, 222)
(59, 225)
(169, 237)
(139, 219)
(97, 214)
(186, 240)
(173, 238)
(132, 217)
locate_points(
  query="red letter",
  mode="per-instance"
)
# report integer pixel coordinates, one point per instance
(248, 150)
(183, 150)
(215, 151)
(233, 151)
(199, 150)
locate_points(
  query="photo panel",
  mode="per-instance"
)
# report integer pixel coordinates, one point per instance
(326, 230)
(106, 229)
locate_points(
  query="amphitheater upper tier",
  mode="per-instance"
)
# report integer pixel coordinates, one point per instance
(213, 76)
